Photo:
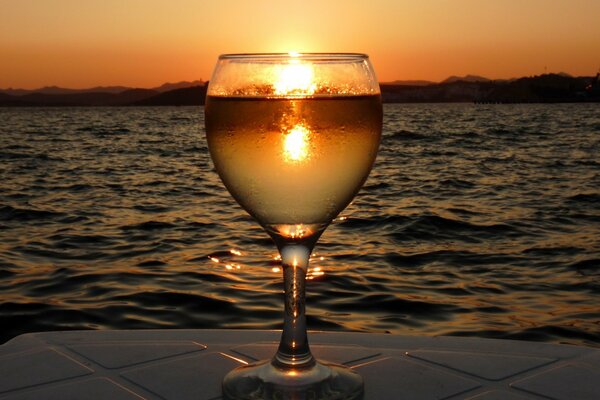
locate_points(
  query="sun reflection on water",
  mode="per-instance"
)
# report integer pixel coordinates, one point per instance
(225, 260)
(228, 265)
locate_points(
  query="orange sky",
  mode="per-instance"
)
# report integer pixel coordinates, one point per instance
(144, 43)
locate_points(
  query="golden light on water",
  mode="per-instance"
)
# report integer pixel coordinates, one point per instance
(314, 273)
(296, 144)
(292, 231)
(294, 79)
(224, 262)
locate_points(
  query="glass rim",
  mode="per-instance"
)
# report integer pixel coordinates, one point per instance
(295, 55)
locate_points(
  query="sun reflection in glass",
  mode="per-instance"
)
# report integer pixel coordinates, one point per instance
(297, 231)
(294, 79)
(296, 144)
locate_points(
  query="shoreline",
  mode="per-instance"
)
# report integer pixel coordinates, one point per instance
(542, 89)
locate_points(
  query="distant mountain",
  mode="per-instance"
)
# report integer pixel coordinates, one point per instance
(466, 78)
(59, 90)
(188, 96)
(165, 87)
(132, 95)
(564, 74)
(14, 92)
(410, 83)
(99, 89)
(458, 91)
(5, 97)
(547, 88)
(76, 99)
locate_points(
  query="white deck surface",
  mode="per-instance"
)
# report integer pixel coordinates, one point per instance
(189, 364)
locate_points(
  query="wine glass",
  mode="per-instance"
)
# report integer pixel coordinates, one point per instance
(293, 137)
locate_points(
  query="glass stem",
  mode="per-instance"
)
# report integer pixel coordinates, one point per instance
(294, 352)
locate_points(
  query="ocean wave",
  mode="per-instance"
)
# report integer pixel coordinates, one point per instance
(408, 135)
(9, 213)
(149, 226)
(473, 222)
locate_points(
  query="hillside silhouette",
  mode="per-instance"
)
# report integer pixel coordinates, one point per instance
(547, 88)
(36, 99)
(191, 96)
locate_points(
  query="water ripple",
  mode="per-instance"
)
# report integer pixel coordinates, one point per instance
(478, 220)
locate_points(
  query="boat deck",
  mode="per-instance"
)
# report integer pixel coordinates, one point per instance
(189, 364)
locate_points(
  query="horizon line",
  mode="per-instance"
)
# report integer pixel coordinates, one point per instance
(457, 77)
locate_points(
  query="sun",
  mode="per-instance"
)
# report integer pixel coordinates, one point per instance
(294, 79)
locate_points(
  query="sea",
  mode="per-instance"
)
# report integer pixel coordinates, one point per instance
(477, 220)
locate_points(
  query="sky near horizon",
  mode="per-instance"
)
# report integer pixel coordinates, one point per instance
(144, 43)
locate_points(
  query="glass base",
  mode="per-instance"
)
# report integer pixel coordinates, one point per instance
(265, 381)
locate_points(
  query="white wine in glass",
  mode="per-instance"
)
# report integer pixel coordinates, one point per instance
(293, 138)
